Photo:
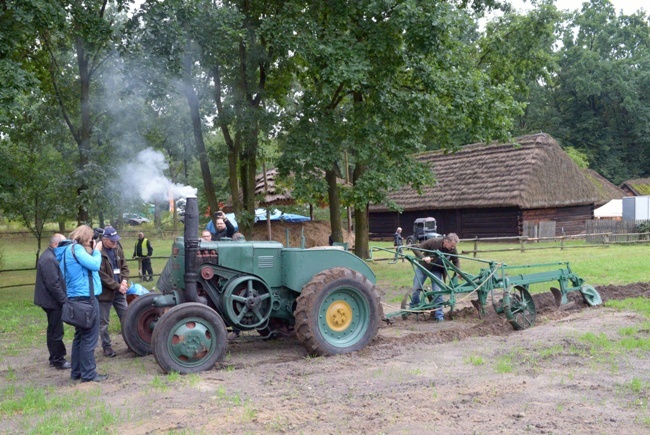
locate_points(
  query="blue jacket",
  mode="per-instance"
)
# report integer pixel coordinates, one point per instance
(76, 270)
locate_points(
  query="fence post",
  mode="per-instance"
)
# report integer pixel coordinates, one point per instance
(562, 242)
(475, 245)
(522, 243)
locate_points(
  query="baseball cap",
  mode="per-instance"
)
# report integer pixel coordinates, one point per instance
(111, 233)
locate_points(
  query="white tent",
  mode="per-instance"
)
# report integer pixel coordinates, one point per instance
(613, 209)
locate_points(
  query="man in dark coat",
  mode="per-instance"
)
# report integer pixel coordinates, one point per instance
(433, 264)
(114, 274)
(50, 294)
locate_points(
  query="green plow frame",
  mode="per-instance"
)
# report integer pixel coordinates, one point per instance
(505, 287)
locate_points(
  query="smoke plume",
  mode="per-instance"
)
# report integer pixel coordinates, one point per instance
(147, 180)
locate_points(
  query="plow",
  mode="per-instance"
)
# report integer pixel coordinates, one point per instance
(506, 288)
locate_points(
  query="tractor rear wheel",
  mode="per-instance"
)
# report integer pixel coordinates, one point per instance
(189, 338)
(338, 311)
(138, 322)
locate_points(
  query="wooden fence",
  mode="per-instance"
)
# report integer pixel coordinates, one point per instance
(28, 269)
(528, 243)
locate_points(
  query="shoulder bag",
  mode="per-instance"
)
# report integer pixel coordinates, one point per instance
(80, 313)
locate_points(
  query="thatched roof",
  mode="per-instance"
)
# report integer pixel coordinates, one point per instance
(270, 192)
(534, 172)
(639, 186)
(606, 189)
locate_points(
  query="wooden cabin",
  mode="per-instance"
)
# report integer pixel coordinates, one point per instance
(499, 190)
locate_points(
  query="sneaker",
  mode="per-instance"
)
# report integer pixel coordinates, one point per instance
(65, 365)
(234, 334)
(109, 352)
(97, 378)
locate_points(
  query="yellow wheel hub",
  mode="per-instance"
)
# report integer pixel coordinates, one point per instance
(339, 316)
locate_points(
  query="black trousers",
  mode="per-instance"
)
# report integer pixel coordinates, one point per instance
(55, 337)
(146, 269)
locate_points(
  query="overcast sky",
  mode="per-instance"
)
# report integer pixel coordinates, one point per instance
(628, 6)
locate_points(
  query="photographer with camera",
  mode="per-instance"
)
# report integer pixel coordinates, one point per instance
(224, 228)
(114, 274)
(79, 262)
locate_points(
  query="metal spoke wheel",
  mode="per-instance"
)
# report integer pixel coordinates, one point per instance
(247, 302)
(338, 311)
(519, 308)
(189, 338)
(138, 323)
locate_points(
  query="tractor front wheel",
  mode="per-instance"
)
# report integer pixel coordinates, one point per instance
(338, 311)
(138, 322)
(189, 338)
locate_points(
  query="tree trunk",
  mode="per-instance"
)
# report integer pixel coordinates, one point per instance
(234, 145)
(361, 232)
(83, 141)
(361, 225)
(195, 115)
(335, 206)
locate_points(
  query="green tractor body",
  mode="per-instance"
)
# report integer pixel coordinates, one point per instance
(326, 297)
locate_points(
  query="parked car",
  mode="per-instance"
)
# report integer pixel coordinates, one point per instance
(134, 219)
(423, 229)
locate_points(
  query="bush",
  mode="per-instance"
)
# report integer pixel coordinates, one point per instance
(644, 227)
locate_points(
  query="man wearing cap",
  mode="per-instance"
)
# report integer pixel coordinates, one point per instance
(114, 274)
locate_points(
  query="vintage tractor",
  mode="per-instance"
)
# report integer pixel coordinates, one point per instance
(325, 296)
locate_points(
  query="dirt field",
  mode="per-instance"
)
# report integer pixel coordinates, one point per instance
(467, 375)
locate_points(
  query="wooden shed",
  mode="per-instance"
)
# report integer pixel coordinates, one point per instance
(499, 190)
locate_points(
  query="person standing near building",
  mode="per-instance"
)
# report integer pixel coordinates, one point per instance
(49, 294)
(144, 251)
(398, 241)
(114, 274)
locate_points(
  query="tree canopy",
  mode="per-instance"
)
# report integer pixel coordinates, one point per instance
(339, 95)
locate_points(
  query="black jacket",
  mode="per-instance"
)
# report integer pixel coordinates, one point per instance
(50, 291)
(435, 244)
(226, 232)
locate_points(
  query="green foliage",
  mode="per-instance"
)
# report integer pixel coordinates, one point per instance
(643, 227)
(596, 101)
(579, 157)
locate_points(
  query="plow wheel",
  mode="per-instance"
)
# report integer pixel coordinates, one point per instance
(338, 311)
(519, 308)
(138, 322)
(406, 304)
(189, 338)
(590, 295)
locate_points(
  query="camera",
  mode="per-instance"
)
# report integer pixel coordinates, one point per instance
(98, 233)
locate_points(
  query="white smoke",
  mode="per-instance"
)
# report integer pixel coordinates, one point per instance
(147, 180)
